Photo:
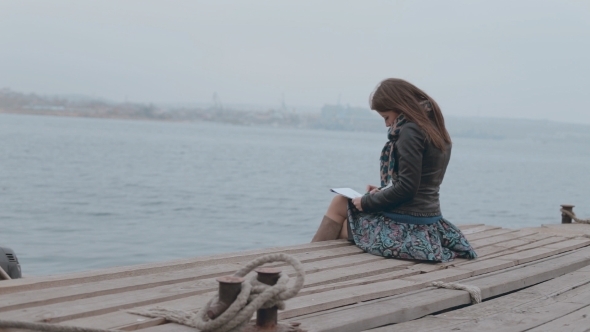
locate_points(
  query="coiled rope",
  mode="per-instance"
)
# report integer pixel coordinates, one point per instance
(253, 296)
(474, 291)
(572, 215)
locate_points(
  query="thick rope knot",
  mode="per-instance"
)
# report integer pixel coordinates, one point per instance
(253, 296)
(474, 291)
(572, 215)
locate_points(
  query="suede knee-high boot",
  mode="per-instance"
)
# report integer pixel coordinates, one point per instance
(328, 230)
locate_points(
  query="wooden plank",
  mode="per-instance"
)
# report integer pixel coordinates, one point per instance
(529, 315)
(324, 281)
(530, 255)
(548, 240)
(313, 261)
(491, 251)
(451, 319)
(336, 298)
(502, 237)
(294, 307)
(575, 229)
(447, 275)
(32, 283)
(569, 244)
(478, 229)
(498, 246)
(199, 293)
(526, 275)
(479, 266)
(358, 271)
(338, 262)
(410, 306)
(126, 321)
(485, 268)
(503, 247)
(513, 246)
(379, 313)
(546, 251)
(578, 320)
(120, 318)
(454, 320)
(488, 234)
(359, 281)
(85, 307)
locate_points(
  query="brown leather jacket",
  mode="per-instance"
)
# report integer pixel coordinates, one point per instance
(419, 171)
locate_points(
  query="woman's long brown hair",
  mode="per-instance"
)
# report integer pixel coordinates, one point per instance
(394, 94)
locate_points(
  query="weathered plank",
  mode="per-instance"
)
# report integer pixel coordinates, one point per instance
(512, 246)
(355, 272)
(33, 283)
(530, 315)
(576, 321)
(325, 276)
(546, 251)
(418, 304)
(516, 302)
(330, 299)
(489, 234)
(85, 307)
(575, 229)
(342, 285)
(338, 298)
(478, 229)
(502, 237)
(367, 292)
(543, 239)
(378, 278)
(314, 261)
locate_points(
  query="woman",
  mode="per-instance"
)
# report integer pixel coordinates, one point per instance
(402, 217)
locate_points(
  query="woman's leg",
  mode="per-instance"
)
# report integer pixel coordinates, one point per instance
(331, 227)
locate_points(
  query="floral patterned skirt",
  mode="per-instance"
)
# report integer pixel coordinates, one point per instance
(382, 236)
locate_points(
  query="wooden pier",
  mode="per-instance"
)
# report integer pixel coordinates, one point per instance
(533, 279)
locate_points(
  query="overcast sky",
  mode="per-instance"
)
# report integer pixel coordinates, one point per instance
(525, 59)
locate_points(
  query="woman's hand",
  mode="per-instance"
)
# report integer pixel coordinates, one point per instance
(372, 189)
(357, 203)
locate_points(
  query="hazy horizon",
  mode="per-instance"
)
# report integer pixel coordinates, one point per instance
(501, 59)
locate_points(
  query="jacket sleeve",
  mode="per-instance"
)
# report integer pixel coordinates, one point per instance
(410, 149)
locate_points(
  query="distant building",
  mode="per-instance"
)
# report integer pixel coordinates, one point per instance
(349, 118)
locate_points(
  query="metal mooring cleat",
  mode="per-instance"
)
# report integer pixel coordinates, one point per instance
(229, 288)
(565, 219)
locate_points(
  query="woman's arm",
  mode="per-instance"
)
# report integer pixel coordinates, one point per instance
(410, 148)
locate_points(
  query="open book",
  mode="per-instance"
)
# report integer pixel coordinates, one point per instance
(347, 192)
(351, 193)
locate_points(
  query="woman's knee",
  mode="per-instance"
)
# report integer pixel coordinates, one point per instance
(339, 199)
(339, 206)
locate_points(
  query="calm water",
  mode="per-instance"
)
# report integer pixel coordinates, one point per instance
(79, 194)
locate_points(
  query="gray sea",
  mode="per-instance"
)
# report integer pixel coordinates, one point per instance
(79, 193)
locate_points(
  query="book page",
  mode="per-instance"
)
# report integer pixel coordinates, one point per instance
(350, 193)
